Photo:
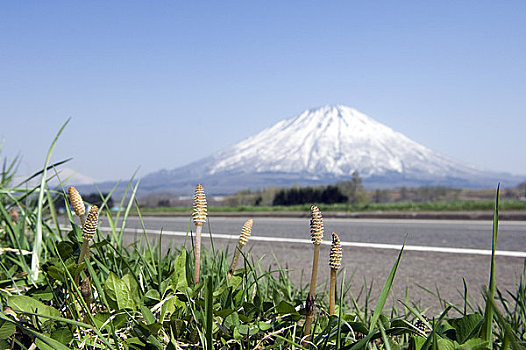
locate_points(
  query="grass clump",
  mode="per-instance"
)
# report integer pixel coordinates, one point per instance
(431, 206)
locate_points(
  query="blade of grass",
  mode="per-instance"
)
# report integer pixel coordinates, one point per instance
(126, 213)
(385, 292)
(38, 173)
(37, 244)
(65, 320)
(209, 313)
(486, 331)
(340, 307)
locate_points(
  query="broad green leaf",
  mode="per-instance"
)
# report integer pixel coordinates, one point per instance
(46, 343)
(474, 344)
(6, 329)
(231, 321)
(100, 318)
(23, 303)
(178, 277)
(245, 319)
(42, 345)
(242, 329)
(132, 288)
(169, 307)
(466, 326)
(219, 291)
(65, 249)
(236, 334)
(147, 314)
(446, 344)
(56, 273)
(45, 295)
(264, 326)
(285, 308)
(122, 291)
(178, 326)
(135, 341)
(235, 281)
(223, 313)
(417, 342)
(153, 295)
(62, 335)
(358, 327)
(111, 288)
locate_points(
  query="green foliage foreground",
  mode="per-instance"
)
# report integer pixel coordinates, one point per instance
(141, 297)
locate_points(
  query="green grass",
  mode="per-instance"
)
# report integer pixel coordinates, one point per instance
(144, 296)
(369, 207)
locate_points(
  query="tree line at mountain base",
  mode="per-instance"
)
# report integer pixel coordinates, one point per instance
(347, 192)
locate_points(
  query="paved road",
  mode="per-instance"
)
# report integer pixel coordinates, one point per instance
(430, 270)
(440, 233)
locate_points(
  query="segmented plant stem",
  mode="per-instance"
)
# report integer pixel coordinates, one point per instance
(316, 229)
(309, 305)
(335, 259)
(332, 293)
(234, 261)
(197, 253)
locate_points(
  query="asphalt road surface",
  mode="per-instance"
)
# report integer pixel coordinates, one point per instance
(439, 271)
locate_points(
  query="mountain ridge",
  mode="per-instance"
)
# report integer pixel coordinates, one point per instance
(321, 146)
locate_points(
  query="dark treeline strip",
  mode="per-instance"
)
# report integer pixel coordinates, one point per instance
(302, 195)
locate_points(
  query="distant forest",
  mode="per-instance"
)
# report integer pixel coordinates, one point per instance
(348, 191)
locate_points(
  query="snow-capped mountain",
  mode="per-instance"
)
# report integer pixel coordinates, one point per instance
(333, 141)
(321, 146)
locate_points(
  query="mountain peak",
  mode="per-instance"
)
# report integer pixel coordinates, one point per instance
(330, 140)
(321, 146)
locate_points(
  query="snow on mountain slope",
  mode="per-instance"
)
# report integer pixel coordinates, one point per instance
(322, 146)
(332, 140)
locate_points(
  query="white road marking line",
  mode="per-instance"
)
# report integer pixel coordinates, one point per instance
(416, 248)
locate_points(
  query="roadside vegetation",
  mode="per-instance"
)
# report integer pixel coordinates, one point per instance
(80, 287)
(351, 208)
(346, 196)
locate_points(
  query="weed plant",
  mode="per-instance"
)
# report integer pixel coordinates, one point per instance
(142, 298)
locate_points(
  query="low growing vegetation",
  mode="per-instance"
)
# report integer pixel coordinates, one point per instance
(80, 287)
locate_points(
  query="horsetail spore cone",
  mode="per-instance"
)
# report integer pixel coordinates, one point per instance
(90, 225)
(335, 260)
(199, 213)
(88, 231)
(245, 232)
(243, 239)
(316, 230)
(199, 218)
(316, 226)
(77, 204)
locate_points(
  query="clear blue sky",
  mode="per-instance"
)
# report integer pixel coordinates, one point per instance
(158, 84)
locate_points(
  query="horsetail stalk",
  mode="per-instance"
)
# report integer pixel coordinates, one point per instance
(243, 239)
(335, 259)
(77, 204)
(88, 231)
(316, 229)
(199, 218)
